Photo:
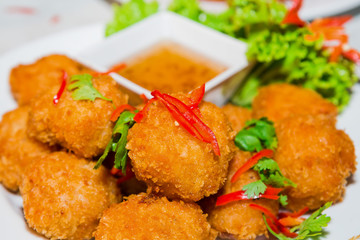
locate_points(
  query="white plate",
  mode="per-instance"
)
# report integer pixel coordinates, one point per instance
(321, 8)
(345, 216)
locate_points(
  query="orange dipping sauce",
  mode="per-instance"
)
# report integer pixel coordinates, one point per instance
(170, 67)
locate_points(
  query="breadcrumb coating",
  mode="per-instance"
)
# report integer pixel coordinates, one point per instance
(17, 150)
(317, 157)
(64, 197)
(31, 80)
(282, 100)
(81, 126)
(173, 162)
(146, 217)
(237, 116)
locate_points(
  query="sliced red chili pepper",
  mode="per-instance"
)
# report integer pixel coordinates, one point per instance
(116, 113)
(144, 98)
(128, 174)
(251, 162)
(294, 214)
(62, 87)
(270, 193)
(196, 96)
(272, 225)
(180, 118)
(125, 178)
(284, 230)
(335, 54)
(266, 211)
(352, 55)
(141, 114)
(292, 16)
(115, 68)
(290, 221)
(207, 135)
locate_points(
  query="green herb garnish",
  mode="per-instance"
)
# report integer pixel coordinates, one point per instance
(254, 189)
(311, 227)
(118, 141)
(83, 89)
(129, 13)
(257, 135)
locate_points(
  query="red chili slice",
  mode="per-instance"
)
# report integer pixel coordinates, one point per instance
(251, 162)
(141, 114)
(266, 211)
(294, 214)
(270, 193)
(115, 68)
(196, 96)
(292, 16)
(284, 230)
(272, 225)
(352, 55)
(116, 113)
(62, 87)
(207, 135)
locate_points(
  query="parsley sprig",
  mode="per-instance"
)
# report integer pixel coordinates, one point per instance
(83, 89)
(311, 227)
(118, 141)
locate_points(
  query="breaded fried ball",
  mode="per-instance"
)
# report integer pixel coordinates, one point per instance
(282, 100)
(237, 116)
(237, 219)
(29, 81)
(64, 197)
(82, 126)
(146, 217)
(173, 162)
(17, 150)
(317, 157)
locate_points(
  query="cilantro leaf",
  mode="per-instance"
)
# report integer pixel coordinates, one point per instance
(257, 135)
(270, 173)
(314, 224)
(118, 141)
(130, 13)
(83, 89)
(283, 200)
(254, 189)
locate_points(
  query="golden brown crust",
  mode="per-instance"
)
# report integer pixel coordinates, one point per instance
(83, 127)
(237, 219)
(173, 162)
(282, 100)
(237, 116)
(64, 197)
(317, 157)
(29, 81)
(144, 217)
(17, 150)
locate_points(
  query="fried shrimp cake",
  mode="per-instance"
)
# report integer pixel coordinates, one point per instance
(173, 162)
(82, 126)
(17, 150)
(237, 219)
(28, 81)
(317, 157)
(282, 100)
(237, 116)
(146, 217)
(64, 197)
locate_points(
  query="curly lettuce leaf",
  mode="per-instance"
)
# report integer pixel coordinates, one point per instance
(129, 13)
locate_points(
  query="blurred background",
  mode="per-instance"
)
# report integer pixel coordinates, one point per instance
(22, 21)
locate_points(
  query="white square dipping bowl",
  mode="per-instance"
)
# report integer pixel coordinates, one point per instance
(168, 26)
